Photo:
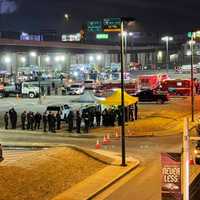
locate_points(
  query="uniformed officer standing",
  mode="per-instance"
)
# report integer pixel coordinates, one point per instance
(70, 121)
(23, 120)
(38, 118)
(6, 120)
(45, 120)
(78, 122)
(86, 120)
(58, 120)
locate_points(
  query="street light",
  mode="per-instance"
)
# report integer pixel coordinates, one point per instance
(192, 43)
(122, 55)
(33, 54)
(99, 57)
(23, 59)
(167, 39)
(47, 59)
(7, 60)
(91, 58)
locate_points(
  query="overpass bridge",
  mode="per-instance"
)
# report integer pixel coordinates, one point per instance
(47, 46)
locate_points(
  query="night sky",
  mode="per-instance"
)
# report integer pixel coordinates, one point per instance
(155, 15)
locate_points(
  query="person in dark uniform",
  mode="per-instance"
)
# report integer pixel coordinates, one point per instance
(131, 113)
(28, 120)
(78, 122)
(70, 121)
(49, 121)
(49, 90)
(13, 118)
(32, 120)
(45, 120)
(86, 120)
(136, 111)
(38, 118)
(98, 117)
(58, 120)
(91, 118)
(23, 120)
(6, 117)
(53, 122)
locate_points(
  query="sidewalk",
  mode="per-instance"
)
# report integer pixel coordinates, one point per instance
(95, 184)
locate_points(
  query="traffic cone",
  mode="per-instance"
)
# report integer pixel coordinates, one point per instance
(108, 138)
(1, 153)
(17, 97)
(105, 141)
(117, 134)
(98, 145)
(129, 132)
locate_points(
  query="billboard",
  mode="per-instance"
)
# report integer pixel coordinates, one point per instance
(171, 176)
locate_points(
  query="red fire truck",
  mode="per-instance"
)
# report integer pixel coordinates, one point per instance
(177, 87)
(105, 89)
(151, 81)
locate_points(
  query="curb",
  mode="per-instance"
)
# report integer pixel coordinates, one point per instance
(112, 182)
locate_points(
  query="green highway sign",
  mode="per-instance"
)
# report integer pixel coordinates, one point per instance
(94, 26)
(102, 36)
(112, 25)
(189, 34)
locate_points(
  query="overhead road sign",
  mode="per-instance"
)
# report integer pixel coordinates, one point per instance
(102, 36)
(112, 25)
(94, 26)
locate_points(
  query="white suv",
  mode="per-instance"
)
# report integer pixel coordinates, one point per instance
(63, 109)
(76, 89)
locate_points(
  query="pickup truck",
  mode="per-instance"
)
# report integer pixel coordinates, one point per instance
(152, 96)
(26, 89)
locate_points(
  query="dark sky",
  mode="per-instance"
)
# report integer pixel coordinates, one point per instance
(155, 15)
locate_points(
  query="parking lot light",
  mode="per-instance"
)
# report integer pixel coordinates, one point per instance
(33, 54)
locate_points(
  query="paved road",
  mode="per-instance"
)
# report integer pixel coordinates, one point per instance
(144, 186)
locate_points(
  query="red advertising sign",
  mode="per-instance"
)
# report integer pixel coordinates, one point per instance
(171, 176)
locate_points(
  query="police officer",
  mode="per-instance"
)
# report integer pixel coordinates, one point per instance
(32, 120)
(70, 121)
(136, 111)
(38, 118)
(98, 117)
(13, 118)
(58, 120)
(6, 120)
(50, 121)
(53, 122)
(28, 120)
(78, 122)
(86, 120)
(45, 120)
(23, 120)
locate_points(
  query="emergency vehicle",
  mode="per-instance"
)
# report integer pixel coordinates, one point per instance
(150, 81)
(177, 87)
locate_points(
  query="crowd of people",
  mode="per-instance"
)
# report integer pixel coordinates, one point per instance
(89, 117)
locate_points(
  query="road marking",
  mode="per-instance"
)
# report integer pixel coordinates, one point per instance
(119, 183)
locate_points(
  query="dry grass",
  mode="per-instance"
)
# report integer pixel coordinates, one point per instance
(44, 174)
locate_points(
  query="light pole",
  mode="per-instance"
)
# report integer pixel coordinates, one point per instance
(167, 39)
(122, 55)
(123, 162)
(191, 43)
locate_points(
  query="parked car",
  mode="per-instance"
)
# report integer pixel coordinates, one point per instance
(152, 96)
(63, 109)
(76, 89)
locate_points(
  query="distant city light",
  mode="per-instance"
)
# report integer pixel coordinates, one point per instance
(47, 59)
(75, 74)
(99, 57)
(167, 38)
(91, 58)
(7, 60)
(62, 58)
(130, 33)
(23, 59)
(33, 54)
(188, 53)
(57, 58)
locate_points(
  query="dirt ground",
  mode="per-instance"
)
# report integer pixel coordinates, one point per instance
(44, 174)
